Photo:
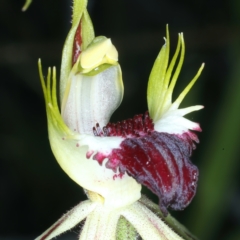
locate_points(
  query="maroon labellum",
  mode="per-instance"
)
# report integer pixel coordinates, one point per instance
(158, 160)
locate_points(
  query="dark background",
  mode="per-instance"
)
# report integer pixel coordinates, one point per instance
(34, 191)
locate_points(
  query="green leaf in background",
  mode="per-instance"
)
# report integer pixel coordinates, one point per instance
(219, 160)
(26, 5)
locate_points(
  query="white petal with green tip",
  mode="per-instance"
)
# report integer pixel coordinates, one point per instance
(165, 113)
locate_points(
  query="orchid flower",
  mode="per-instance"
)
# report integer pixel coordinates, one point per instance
(109, 161)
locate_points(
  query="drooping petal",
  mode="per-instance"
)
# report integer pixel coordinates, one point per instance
(170, 221)
(101, 224)
(161, 162)
(148, 225)
(158, 160)
(69, 220)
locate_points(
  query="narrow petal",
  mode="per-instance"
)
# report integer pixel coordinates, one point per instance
(161, 82)
(101, 224)
(180, 98)
(147, 224)
(68, 220)
(169, 220)
(156, 84)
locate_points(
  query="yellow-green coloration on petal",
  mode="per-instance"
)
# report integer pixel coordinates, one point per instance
(70, 149)
(100, 51)
(26, 5)
(50, 95)
(79, 14)
(161, 82)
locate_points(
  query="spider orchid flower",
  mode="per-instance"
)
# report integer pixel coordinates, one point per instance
(109, 161)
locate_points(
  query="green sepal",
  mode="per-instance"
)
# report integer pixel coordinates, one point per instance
(50, 95)
(156, 79)
(79, 14)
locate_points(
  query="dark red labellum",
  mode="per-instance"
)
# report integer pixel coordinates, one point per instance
(158, 160)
